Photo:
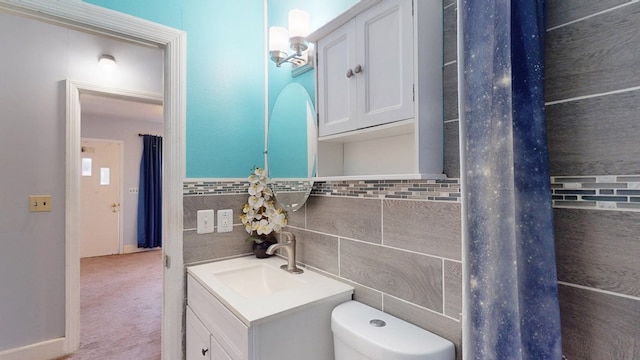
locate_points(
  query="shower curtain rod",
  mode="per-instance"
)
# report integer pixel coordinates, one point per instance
(141, 134)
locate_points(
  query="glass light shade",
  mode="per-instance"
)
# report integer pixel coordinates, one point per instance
(107, 63)
(298, 23)
(278, 39)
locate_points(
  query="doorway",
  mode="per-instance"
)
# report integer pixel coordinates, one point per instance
(94, 19)
(100, 199)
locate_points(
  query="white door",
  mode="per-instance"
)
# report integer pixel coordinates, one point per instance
(100, 198)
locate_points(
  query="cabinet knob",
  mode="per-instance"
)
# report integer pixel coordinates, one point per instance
(349, 73)
(204, 352)
(358, 69)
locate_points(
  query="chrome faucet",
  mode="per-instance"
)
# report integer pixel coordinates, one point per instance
(289, 247)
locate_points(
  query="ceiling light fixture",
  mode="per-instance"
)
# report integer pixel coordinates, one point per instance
(107, 63)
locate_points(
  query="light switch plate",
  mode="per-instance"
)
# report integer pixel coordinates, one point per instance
(225, 220)
(205, 222)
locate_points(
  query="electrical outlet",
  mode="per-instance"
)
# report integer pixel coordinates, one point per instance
(205, 221)
(225, 220)
(38, 203)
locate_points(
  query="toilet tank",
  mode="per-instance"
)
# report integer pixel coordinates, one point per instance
(361, 332)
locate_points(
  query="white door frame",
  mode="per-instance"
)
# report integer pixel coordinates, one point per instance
(80, 15)
(120, 184)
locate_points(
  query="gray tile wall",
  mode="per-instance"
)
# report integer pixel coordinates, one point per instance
(213, 246)
(403, 256)
(450, 91)
(592, 91)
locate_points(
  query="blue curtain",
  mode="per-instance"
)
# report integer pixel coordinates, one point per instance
(511, 271)
(150, 193)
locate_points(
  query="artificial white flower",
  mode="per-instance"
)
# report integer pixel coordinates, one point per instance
(259, 214)
(264, 227)
(256, 187)
(256, 202)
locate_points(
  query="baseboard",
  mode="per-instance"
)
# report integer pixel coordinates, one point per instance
(46, 350)
(128, 249)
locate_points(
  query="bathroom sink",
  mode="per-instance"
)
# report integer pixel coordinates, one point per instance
(257, 290)
(258, 280)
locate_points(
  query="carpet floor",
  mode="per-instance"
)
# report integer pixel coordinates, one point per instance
(120, 307)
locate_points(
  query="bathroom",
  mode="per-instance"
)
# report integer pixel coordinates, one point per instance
(590, 72)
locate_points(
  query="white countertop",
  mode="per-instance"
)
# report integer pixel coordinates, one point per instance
(313, 288)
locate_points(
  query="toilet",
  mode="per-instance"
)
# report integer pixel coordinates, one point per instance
(361, 332)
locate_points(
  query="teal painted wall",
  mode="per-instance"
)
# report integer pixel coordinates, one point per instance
(225, 79)
(225, 73)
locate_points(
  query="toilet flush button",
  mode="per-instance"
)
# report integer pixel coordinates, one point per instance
(377, 323)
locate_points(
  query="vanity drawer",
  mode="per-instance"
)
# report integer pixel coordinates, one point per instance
(224, 326)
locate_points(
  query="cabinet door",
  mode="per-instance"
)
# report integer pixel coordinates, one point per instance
(385, 54)
(198, 338)
(217, 352)
(337, 90)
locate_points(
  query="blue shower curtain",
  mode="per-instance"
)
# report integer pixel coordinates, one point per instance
(512, 303)
(150, 193)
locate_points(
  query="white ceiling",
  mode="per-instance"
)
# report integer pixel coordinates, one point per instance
(118, 108)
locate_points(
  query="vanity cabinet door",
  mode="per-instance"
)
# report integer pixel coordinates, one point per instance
(198, 338)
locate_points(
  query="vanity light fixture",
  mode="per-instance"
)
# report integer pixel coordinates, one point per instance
(107, 63)
(282, 40)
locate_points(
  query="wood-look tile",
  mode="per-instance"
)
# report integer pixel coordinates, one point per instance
(581, 133)
(354, 218)
(450, 91)
(192, 203)
(593, 56)
(409, 276)
(202, 247)
(564, 11)
(297, 218)
(362, 293)
(453, 289)
(429, 227)
(599, 249)
(452, 149)
(598, 326)
(450, 34)
(437, 324)
(317, 250)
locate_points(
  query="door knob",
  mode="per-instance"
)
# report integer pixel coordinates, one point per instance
(358, 69)
(349, 73)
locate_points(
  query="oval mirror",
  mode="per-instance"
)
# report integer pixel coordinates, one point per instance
(291, 147)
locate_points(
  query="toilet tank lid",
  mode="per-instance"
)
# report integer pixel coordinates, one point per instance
(398, 339)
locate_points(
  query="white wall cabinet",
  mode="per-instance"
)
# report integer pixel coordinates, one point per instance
(366, 72)
(379, 91)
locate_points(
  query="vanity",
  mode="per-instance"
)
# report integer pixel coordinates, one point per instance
(248, 308)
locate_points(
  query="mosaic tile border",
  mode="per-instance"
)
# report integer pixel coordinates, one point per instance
(447, 190)
(602, 192)
(190, 188)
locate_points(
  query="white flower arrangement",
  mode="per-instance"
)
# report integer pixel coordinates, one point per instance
(259, 215)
